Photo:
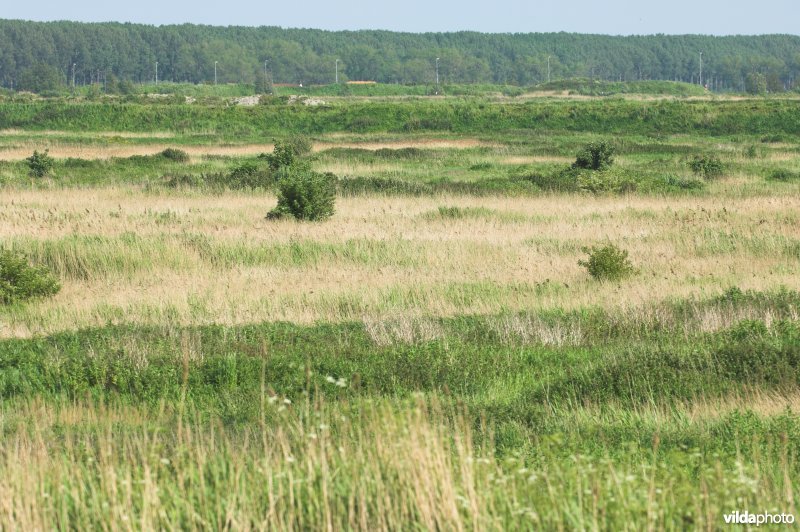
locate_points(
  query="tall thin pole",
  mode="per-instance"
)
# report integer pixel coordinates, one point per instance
(265, 70)
(548, 69)
(156, 72)
(437, 72)
(215, 72)
(701, 69)
(73, 77)
(337, 71)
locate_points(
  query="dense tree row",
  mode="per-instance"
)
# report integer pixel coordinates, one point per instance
(188, 52)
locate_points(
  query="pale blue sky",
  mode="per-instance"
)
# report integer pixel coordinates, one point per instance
(717, 17)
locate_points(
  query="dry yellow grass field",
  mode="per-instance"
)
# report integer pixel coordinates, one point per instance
(126, 255)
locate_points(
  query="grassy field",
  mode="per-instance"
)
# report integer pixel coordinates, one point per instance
(431, 357)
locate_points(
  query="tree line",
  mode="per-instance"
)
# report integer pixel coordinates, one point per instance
(43, 55)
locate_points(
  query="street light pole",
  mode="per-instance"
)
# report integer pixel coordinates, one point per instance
(701, 69)
(337, 71)
(548, 69)
(215, 72)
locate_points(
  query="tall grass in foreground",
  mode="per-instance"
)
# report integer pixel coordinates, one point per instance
(87, 465)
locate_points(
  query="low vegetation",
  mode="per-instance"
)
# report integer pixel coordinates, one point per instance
(19, 281)
(491, 333)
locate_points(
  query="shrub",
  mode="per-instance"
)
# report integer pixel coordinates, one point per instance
(595, 156)
(783, 175)
(607, 263)
(605, 182)
(287, 152)
(20, 281)
(249, 175)
(709, 166)
(305, 195)
(178, 156)
(40, 164)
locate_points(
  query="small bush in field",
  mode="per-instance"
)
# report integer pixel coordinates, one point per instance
(305, 195)
(40, 163)
(287, 152)
(19, 281)
(709, 166)
(607, 263)
(595, 156)
(178, 156)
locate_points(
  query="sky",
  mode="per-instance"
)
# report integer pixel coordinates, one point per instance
(615, 17)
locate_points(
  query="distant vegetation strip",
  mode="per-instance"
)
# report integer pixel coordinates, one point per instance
(619, 116)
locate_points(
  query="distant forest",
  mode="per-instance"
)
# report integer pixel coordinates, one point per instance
(33, 53)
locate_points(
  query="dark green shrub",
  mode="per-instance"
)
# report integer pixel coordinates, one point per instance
(709, 166)
(595, 156)
(178, 156)
(40, 163)
(305, 195)
(19, 281)
(249, 175)
(783, 175)
(607, 263)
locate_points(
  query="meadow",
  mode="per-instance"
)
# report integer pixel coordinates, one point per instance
(433, 356)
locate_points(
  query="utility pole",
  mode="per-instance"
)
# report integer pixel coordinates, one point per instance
(337, 71)
(701, 69)
(215, 72)
(548, 69)
(437, 74)
(156, 72)
(73, 77)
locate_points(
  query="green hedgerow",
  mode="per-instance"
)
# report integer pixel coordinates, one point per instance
(607, 263)
(19, 281)
(40, 163)
(305, 195)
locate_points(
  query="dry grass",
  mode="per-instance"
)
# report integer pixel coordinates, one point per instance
(147, 258)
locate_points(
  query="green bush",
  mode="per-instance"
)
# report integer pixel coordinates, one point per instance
(595, 156)
(709, 166)
(287, 152)
(19, 281)
(40, 163)
(783, 174)
(305, 195)
(605, 182)
(607, 263)
(249, 175)
(178, 156)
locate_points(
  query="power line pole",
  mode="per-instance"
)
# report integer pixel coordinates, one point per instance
(156, 72)
(337, 71)
(437, 73)
(548, 69)
(215, 72)
(73, 77)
